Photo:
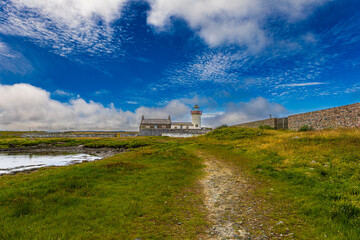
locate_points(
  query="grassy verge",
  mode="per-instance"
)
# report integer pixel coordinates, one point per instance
(11, 142)
(317, 173)
(148, 193)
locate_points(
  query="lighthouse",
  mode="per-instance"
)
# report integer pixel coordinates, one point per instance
(196, 117)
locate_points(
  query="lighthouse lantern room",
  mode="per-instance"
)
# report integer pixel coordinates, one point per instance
(196, 117)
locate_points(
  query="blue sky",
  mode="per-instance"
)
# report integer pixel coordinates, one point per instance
(88, 64)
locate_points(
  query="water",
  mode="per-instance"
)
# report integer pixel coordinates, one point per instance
(10, 163)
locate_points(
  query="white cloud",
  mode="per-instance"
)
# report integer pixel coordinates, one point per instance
(198, 100)
(66, 26)
(303, 84)
(256, 109)
(229, 21)
(131, 102)
(212, 66)
(62, 93)
(13, 61)
(102, 92)
(23, 106)
(74, 12)
(72, 26)
(5, 51)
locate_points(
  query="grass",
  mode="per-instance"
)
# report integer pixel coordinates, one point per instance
(116, 143)
(21, 142)
(147, 193)
(11, 134)
(233, 133)
(318, 172)
(126, 143)
(311, 181)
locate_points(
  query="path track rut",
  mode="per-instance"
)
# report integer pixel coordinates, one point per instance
(233, 210)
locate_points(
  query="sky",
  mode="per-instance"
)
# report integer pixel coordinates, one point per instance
(101, 65)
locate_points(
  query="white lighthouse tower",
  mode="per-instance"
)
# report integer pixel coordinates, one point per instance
(196, 117)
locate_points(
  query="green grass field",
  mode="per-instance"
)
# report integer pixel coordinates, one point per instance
(317, 172)
(134, 194)
(151, 192)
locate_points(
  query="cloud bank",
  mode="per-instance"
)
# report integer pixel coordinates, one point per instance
(23, 106)
(256, 109)
(90, 25)
(230, 21)
(65, 26)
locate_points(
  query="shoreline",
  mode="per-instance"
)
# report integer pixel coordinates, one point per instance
(44, 150)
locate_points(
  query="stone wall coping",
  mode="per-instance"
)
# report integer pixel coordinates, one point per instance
(326, 109)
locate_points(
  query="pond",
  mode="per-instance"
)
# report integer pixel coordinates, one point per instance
(10, 163)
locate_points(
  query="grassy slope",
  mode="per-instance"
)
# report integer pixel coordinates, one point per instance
(318, 173)
(148, 193)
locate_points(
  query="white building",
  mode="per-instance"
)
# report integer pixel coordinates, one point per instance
(167, 123)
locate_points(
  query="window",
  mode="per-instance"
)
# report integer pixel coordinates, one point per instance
(196, 125)
(147, 126)
(155, 126)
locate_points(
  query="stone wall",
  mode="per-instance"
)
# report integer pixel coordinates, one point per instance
(68, 135)
(347, 116)
(173, 132)
(267, 122)
(129, 134)
(177, 135)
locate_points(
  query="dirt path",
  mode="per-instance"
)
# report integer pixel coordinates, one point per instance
(234, 211)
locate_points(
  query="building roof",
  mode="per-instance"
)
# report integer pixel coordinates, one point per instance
(182, 123)
(155, 121)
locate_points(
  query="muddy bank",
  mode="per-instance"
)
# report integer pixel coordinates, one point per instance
(44, 149)
(100, 153)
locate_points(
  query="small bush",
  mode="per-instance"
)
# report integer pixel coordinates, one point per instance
(110, 143)
(265, 127)
(222, 126)
(233, 133)
(305, 128)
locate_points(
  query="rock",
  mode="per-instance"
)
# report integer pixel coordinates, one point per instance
(281, 222)
(179, 223)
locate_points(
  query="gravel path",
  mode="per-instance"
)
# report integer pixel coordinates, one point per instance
(220, 194)
(234, 211)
